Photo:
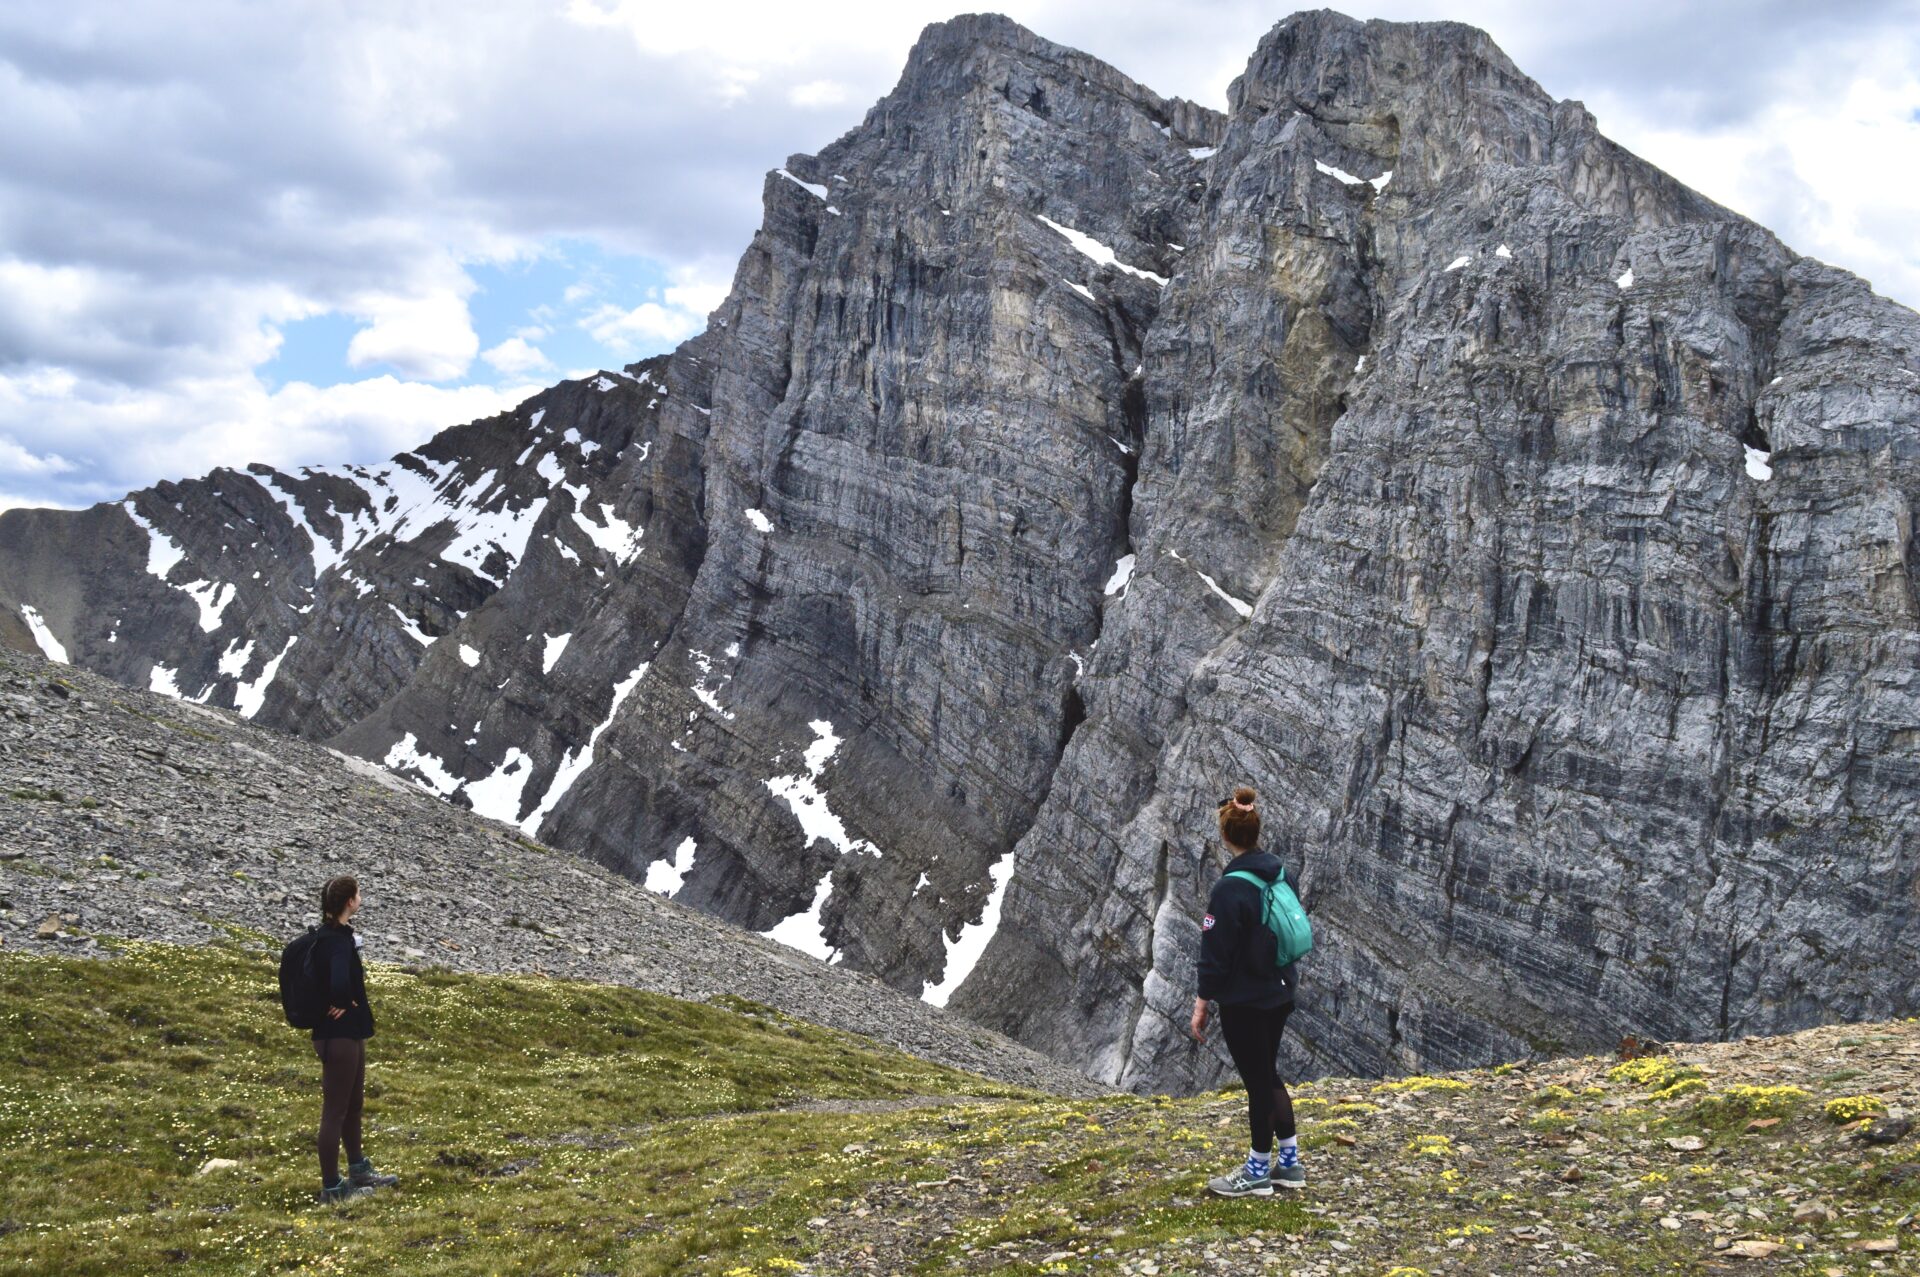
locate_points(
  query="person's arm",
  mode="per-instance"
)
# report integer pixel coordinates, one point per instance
(339, 977)
(1219, 942)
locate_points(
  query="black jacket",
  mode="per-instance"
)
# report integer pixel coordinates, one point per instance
(336, 961)
(1237, 951)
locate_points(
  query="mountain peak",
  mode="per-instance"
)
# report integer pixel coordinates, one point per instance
(1327, 63)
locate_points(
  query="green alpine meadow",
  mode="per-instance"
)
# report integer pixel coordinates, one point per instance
(156, 1115)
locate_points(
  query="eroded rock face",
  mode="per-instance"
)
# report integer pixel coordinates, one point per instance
(1531, 531)
(1568, 723)
(923, 414)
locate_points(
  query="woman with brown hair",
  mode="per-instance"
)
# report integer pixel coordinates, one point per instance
(340, 1040)
(1240, 970)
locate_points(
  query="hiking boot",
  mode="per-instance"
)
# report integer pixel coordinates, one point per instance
(362, 1174)
(1240, 1183)
(344, 1191)
(1294, 1176)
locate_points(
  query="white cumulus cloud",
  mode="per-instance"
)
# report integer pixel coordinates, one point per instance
(678, 312)
(173, 431)
(516, 355)
(625, 332)
(429, 337)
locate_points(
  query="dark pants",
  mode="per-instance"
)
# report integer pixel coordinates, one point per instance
(343, 1090)
(1252, 1035)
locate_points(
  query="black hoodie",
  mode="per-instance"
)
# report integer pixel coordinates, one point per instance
(1237, 951)
(336, 960)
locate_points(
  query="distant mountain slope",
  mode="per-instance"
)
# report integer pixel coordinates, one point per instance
(127, 816)
(1531, 531)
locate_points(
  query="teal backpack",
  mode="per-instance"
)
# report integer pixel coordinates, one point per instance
(1281, 913)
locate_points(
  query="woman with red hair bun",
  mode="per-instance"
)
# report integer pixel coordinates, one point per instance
(1241, 972)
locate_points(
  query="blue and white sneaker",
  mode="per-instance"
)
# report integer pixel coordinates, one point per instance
(1241, 1183)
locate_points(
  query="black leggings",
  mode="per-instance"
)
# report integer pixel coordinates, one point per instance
(343, 1090)
(1253, 1039)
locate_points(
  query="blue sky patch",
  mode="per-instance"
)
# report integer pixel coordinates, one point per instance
(313, 350)
(546, 300)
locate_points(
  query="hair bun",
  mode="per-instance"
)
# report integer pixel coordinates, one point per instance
(1239, 821)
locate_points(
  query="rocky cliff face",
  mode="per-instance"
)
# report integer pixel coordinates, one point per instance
(1534, 533)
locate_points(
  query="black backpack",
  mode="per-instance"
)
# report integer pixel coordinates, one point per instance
(301, 994)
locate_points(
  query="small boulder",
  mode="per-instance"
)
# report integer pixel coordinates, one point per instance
(213, 1164)
(1888, 1130)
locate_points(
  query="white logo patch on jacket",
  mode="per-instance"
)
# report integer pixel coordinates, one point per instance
(1206, 923)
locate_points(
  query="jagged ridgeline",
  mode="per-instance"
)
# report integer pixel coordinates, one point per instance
(1533, 533)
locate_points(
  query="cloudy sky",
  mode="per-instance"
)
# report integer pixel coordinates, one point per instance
(315, 232)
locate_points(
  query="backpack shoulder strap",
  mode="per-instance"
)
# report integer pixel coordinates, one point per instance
(1253, 878)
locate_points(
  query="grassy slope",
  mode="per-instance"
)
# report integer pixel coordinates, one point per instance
(550, 1127)
(541, 1126)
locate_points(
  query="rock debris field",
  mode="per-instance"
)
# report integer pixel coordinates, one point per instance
(130, 814)
(1786, 1154)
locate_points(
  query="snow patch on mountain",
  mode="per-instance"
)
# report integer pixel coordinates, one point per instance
(804, 930)
(164, 555)
(964, 949)
(411, 496)
(428, 772)
(1338, 174)
(324, 551)
(249, 697)
(162, 552)
(701, 691)
(818, 191)
(50, 646)
(669, 875)
(579, 760)
(613, 534)
(1089, 247)
(233, 661)
(801, 793)
(1244, 608)
(499, 795)
(411, 628)
(212, 599)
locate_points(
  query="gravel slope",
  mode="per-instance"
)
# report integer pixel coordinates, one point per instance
(128, 814)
